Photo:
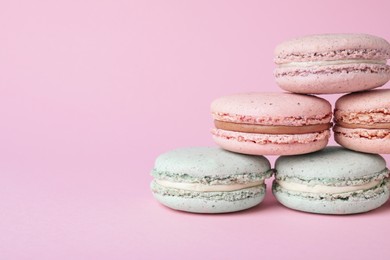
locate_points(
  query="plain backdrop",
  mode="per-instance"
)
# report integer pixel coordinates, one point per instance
(92, 91)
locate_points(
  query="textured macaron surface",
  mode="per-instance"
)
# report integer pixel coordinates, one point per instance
(331, 166)
(332, 47)
(272, 109)
(210, 165)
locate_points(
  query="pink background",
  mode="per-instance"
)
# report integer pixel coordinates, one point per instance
(91, 92)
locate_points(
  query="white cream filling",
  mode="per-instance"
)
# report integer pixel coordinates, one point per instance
(299, 187)
(206, 188)
(329, 62)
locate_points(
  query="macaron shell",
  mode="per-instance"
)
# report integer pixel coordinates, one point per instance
(332, 42)
(209, 161)
(364, 101)
(350, 206)
(266, 106)
(332, 82)
(232, 144)
(355, 139)
(332, 163)
(201, 205)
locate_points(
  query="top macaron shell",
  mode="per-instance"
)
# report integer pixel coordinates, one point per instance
(209, 161)
(333, 164)
(306, 47)
(332, 63)
(365, 101)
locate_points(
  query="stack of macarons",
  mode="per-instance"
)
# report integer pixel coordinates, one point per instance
(331, 64)
(296, 126)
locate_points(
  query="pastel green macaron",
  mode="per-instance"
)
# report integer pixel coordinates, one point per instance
(334, 180)
(209, 180)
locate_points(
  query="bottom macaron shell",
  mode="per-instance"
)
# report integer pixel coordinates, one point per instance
(196, 205)
(335, 207)
(358, 140)
(332, 83)
(213, 202)
(269, 148)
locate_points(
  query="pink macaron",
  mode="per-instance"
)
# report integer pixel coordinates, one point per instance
(271, 123)
(332, 63)
(362, 121)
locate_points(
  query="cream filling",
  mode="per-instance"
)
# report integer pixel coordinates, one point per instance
(206, 188)
(329, 63)
(299, 187)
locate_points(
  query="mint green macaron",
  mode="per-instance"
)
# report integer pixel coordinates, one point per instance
(334, 180)
(209, 180)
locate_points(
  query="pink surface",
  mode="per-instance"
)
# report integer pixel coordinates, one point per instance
(92, 91)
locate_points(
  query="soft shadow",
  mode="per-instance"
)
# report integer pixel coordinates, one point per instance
(383, 210)
(269, 204)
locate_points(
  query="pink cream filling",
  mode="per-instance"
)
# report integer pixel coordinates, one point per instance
(367, 54)
(345, 68)
(274, 120)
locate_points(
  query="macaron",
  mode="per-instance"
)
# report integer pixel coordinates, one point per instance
(362, 121)
(332, 63)
(271, 123)
(209, 180)
(334, 180)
